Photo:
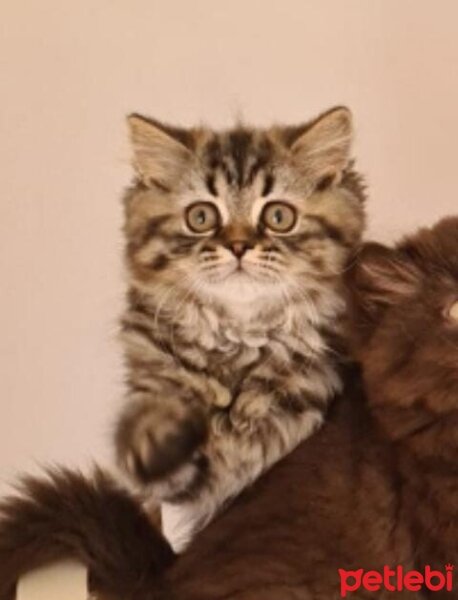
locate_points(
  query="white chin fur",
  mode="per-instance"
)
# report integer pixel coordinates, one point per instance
(240, 288)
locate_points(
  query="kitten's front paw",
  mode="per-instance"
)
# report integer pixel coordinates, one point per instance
(155, 444)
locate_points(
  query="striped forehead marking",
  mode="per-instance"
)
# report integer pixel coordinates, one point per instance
(239, 155)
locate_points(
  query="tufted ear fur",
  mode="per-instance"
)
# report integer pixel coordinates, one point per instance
(322, 151)
(378, 278)
(160, 152)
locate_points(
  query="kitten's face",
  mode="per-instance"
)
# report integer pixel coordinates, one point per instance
(242, 215)
(405, 321)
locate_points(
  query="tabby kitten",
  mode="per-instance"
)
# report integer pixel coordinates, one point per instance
(235, 246)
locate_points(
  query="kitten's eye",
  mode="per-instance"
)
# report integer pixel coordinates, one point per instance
(279, 217)
(452, 311)
(202, 217)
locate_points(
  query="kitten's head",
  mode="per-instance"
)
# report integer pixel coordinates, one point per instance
(244, 214)
(404, 325)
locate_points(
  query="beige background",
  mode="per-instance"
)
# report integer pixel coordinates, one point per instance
(70, 71)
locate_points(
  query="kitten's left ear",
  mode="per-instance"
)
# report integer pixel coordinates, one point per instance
(323, 150)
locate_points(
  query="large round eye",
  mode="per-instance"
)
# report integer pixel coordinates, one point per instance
(202, 217)
(279, 217)
(452, 312)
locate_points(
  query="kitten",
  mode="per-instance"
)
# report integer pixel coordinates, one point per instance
(236, 243)
(377, 485)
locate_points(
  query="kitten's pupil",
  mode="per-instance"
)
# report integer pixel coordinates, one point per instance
(278, 216)
(201, 217)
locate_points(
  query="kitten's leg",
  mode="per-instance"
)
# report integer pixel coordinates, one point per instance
(235, 460)
(238, 455)
(268, 420)
(274, 411)
(161, 430)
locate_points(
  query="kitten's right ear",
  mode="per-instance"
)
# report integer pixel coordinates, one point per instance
(160, 152)
(322, 150)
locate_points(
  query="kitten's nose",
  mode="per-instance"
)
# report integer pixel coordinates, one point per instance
(239, 247)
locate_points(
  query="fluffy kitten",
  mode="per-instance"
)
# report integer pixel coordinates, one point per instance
(377, 485)
(236, 242)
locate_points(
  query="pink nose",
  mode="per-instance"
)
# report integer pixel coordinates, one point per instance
(239, 248)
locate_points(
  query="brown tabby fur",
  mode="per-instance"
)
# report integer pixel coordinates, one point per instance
(231, 333)
(378, 484)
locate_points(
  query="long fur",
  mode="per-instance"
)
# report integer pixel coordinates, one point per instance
(377, 485)
(232, 358)
(67, 515)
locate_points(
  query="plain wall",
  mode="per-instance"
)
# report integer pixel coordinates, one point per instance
(70, 72)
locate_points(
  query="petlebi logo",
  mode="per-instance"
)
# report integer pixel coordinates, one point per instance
(396, 580)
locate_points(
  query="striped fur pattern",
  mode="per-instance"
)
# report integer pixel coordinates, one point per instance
(233, 319)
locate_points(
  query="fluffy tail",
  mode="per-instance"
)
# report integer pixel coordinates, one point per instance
(67, 515)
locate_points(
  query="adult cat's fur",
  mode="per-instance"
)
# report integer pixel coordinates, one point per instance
(377, 485)
(406, 337)
(236, 242)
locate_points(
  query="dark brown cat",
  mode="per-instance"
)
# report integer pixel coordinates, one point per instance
(376, 486)
(405, 335)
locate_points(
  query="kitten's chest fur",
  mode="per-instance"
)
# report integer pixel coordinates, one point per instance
(229, 344)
